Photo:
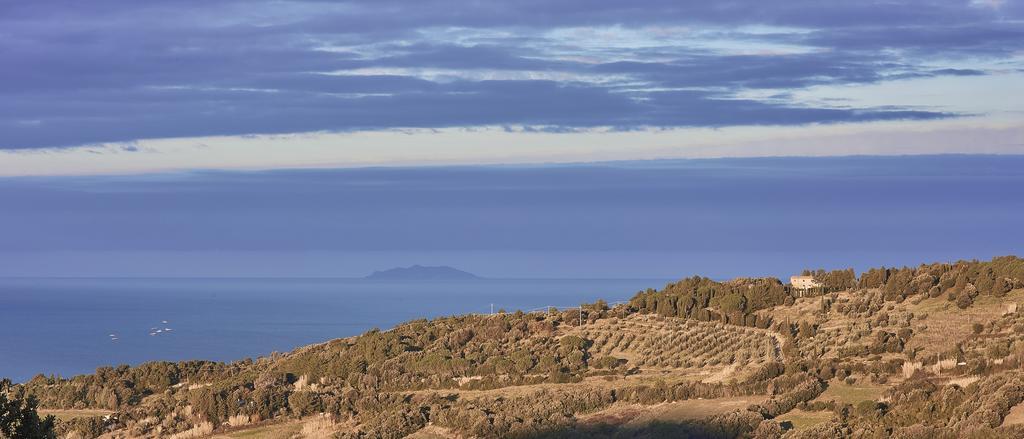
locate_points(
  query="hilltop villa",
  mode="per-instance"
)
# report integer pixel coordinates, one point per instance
(804, 282)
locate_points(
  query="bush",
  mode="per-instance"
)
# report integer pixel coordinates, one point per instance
(86, 427)
(964, 300)
(304, 403)
(868, 409)
(608, 362)
(19, 420)
(573, 342)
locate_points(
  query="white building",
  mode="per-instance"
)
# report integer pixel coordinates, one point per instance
(804, 282)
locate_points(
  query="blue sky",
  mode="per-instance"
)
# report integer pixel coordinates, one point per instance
(118, 86)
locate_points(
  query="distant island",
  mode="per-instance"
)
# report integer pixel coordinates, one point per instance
(420, 272)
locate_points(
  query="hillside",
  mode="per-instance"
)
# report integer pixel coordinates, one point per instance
(932, 351)
(420, 272)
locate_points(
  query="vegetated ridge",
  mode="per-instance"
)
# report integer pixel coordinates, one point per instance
(933, 351)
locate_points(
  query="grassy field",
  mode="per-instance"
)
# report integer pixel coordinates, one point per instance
(72, 414)
(274, 431)
(947, 323)
(638, 415)
(845, 393)
(801, 419)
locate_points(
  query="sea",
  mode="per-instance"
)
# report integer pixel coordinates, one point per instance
(71, 326)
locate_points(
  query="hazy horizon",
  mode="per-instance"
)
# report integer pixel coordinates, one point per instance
(654, 219)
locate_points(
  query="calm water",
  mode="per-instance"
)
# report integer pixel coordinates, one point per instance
(64, 326)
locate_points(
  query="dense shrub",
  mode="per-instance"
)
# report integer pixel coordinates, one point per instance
(19, 420)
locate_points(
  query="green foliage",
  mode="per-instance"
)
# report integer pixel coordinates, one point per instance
(19, 420)
(868, 409)
(704, 299)
(304, 403)
(962, 282)
(835, 280)
(572, 342)
(211, 404)
(121, 386)
(607, 362)
(732, 303)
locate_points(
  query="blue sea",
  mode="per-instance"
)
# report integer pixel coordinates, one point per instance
(70, 326)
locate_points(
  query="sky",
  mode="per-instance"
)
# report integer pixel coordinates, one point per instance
(129, 87)
(661, 219)
(517, 138)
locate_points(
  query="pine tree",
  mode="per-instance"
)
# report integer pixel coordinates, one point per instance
(19, 419)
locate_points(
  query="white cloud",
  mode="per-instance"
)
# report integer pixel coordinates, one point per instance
(497, 145)
(994, 4)
(450, 75)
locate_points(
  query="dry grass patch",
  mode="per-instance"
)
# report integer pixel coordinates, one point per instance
(910, 367)
(804, 419)
(320, 427)
(636, 415)
(963, 381)
(65, 415)
(1016, 415)
(239, 420)
(947, 324)
(201, 430)
(273, 431)
(722, 375)
(802, 309)
(851, 394)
